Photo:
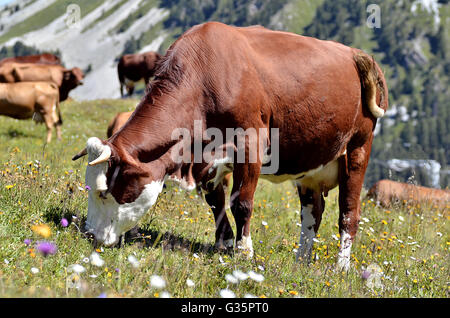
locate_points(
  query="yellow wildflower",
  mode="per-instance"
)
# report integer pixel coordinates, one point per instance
(42, 230)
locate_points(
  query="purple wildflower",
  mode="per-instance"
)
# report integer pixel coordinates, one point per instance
(27, 241)
(46, 248)
(117, 270)
(102, 295)
(87, 187)
(365, 274)
(64, 222)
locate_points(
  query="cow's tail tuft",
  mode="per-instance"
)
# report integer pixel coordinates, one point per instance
(370, 82)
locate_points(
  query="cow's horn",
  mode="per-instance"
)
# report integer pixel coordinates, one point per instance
(80, 154)
(104, 156)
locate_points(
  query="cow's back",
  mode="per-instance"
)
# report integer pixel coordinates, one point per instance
(307, 88)
(28, 72)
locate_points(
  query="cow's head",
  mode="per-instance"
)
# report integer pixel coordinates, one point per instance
(121, 190)
(73, 77)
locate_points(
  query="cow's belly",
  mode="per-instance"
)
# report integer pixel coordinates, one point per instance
(322, 178)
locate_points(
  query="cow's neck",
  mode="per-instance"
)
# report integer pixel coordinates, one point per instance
(147, 136)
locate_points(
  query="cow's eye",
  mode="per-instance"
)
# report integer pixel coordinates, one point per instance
(102, 194)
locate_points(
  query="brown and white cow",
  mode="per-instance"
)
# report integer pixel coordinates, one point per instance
(135, 67)
(387, 192)
(44, 58)
(320, 97)
(37, 100)
(66, 79)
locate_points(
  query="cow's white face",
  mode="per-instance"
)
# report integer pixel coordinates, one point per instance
(107, 219)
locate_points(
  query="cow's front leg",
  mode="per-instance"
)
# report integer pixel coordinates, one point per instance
(313, 205)
(48, 120)
(245, 178)
(224, 233)
(351, 177)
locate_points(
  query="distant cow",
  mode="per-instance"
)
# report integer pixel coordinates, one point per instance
(387, 192)
(134, 67)
(37, 100)
(45, 58)
(66, 79)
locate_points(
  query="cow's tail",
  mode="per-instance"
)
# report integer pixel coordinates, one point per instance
(371, 80)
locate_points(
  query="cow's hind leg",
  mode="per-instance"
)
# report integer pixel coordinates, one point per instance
(224, 233)
(313, 205)
(351, 177)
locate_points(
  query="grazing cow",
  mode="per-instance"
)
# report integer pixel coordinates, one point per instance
(45, 58)
(135, 67)
(387, 192)
(65, 79)
(37, 100)
(320, 98)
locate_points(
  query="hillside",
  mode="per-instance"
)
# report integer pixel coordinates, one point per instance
(413, 140)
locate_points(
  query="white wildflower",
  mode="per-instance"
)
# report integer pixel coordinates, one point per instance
(133, 261)
(157, 282)
(255, 276)
(190, 283)
(76, 268)
(34, 270)
(96, 260)
(226, 293)
(240, 275)
(231, 279)
(164, 294)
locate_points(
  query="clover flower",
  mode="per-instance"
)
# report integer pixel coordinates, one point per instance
(64, 222)
(46, 248)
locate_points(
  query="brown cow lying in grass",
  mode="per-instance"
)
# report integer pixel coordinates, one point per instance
(387, 192)
(27, 72)
(37, 100)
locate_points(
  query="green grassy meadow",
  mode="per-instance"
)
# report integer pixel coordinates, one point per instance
(407, 246)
